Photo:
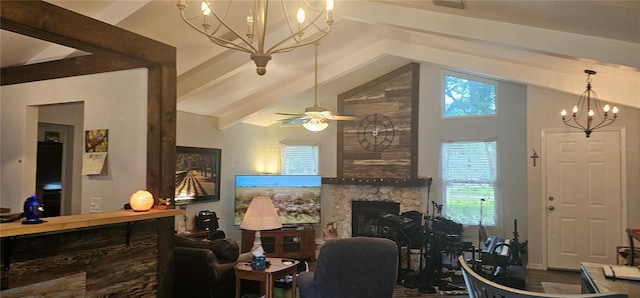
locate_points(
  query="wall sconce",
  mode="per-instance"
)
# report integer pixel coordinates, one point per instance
(141, 200)
(267, 161)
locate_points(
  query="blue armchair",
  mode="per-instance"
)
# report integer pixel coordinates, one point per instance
(351, 268)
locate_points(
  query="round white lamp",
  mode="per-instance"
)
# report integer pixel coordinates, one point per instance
(141, 200)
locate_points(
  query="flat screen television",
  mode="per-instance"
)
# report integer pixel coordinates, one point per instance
(296, 197)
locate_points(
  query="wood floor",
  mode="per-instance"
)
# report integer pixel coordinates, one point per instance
(533, 283)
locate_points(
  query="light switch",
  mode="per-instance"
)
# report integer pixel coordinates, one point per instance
(95, 205)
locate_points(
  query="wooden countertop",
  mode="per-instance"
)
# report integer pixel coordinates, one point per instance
(69, 222)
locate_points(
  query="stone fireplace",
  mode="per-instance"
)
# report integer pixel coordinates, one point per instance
(406, 198)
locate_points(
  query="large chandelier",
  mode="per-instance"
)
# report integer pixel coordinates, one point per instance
(589, 115)
(250, 35)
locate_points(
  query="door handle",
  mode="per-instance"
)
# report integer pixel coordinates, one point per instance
(551, 208)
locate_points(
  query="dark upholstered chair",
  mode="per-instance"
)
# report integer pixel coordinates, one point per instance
(351, 268)
(205, 268)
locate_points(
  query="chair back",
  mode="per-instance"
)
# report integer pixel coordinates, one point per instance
(357, 267)
(479, 287)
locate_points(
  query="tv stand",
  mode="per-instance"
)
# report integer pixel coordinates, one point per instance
(297, 242)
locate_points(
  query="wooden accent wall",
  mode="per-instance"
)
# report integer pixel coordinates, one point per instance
(94, 261)
(387, 109)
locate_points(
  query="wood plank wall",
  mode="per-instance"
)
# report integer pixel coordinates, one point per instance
(100, 255)
(391, 101)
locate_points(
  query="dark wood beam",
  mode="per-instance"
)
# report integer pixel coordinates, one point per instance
(76, 66)
(48, 22)
(161, 131)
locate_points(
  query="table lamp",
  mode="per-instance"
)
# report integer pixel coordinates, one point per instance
(261, 215)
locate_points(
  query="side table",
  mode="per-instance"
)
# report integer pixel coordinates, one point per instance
(276, 269)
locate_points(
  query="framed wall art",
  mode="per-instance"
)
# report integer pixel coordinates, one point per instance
(197, 175)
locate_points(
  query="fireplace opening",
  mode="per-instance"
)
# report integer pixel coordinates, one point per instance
(365, 213)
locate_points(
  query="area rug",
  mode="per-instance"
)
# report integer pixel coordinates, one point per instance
(560, 288)
(402, 292)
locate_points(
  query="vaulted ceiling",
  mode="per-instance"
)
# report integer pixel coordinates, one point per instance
(540, 43)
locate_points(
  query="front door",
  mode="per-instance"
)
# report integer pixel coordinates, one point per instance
(583, 198)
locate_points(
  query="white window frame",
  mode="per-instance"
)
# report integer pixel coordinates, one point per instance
(285, 159)
(445, 73)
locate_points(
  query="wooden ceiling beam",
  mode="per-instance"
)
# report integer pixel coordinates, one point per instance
(69, 67)
(48, 22)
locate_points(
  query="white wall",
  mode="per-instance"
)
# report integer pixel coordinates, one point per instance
(543, 112)
(116, 101)
(508, 127)
(244, 151)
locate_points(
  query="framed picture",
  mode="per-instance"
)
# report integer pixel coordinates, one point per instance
(96, 140)
(197, 175)
(51, 136)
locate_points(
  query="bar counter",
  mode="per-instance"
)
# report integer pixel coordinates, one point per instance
(61, 223)
(110, 254)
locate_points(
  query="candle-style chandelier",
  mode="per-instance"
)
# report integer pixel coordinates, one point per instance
(589, 114)
(250, 35)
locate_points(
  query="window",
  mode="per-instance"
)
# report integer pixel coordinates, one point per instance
(469, 181)
(299, 159)
(464, 96)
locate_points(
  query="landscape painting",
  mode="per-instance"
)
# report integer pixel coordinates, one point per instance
(197, 175)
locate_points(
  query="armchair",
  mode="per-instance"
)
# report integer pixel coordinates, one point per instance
(352, 267)
(205, 268)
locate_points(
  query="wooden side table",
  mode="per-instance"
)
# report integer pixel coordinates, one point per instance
(276, 269)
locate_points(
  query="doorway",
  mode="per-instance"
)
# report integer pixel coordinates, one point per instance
(49, 176)
(583, 197)
(63, 123)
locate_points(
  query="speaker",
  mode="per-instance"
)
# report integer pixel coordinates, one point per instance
(400, 229)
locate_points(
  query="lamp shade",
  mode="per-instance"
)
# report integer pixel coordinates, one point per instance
(141, 200)
(261, 215)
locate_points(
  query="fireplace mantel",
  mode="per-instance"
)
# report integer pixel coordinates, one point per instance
(406, 182)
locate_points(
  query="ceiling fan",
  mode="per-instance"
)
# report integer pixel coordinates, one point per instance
(314, 118)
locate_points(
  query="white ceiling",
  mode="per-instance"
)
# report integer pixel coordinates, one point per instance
(542, 43)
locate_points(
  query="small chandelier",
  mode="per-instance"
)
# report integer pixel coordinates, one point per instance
(596, 117)
(217, 28)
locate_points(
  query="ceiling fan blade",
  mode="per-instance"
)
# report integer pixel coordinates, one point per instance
(290, 114)
(292, 121)
(303, 117)
(344, 118)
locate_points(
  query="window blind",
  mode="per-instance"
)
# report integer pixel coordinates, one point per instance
(299, 159)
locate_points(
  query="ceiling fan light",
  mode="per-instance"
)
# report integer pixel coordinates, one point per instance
(315, 125)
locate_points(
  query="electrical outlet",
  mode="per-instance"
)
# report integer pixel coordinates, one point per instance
(95, 205)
